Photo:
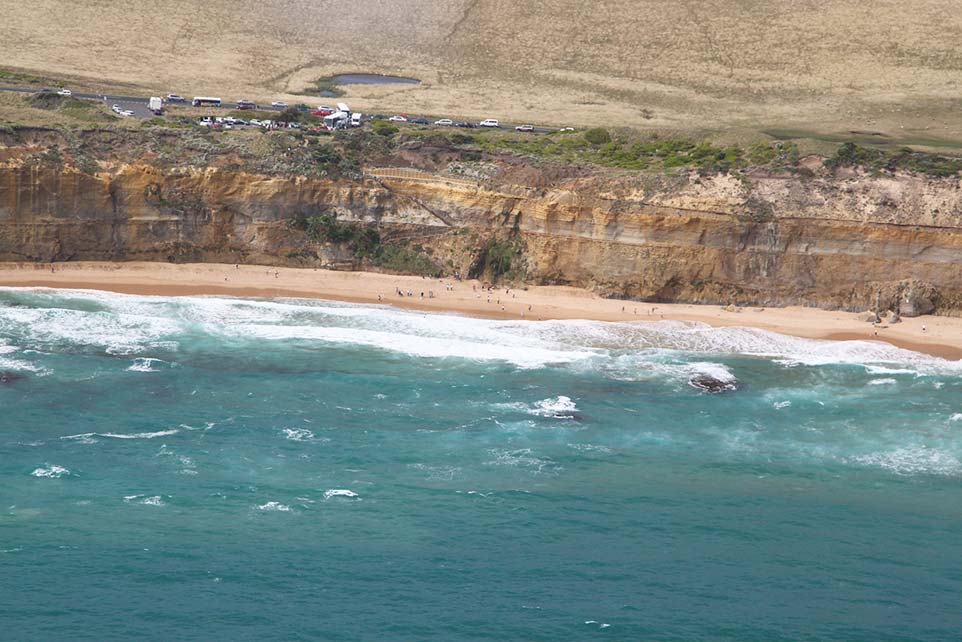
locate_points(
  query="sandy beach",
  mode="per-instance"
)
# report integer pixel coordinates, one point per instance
(937, 336)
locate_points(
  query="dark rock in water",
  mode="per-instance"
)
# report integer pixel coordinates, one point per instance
(9, 377)
(712, 385)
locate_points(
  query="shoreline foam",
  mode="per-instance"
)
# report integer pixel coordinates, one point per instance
(935, 336)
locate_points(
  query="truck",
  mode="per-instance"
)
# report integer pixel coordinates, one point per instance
(156, 105)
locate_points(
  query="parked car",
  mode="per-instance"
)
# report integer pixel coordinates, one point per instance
(400, 118)
(243, 103)
(378, 117)
(566, 129)
(465, 124)
(116, 108)
(524, 128)
(126, 112)
(444, 122)
(279, 104)
(490, 122)
(420, 121)
(174, 98)
(65, 92)
(253, 122)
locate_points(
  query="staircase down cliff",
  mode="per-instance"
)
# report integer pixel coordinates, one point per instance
(829, 241)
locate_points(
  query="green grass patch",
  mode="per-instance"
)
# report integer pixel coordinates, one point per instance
(324, 87)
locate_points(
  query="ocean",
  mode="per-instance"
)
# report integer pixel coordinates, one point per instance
(215, 468)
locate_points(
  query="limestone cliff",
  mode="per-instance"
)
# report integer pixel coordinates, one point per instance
(829, 241)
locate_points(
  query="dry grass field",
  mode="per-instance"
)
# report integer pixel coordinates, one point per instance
(819, 66)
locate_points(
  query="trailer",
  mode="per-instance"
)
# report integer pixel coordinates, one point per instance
(156, 105)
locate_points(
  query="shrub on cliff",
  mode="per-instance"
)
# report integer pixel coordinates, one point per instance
(498, 259)
(598, 136)
(384, 128)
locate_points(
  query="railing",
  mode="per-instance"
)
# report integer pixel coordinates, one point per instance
(408, 174)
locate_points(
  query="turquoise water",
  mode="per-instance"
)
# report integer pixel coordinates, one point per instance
(212, 468)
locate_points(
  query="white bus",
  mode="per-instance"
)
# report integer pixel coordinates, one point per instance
(205, 100)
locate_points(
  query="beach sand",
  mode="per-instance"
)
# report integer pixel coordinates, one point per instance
(937, 336)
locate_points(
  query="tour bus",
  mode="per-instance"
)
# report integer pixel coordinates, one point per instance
(205, 100)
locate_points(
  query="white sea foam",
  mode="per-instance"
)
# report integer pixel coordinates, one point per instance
(714, 370)
(956, 417)
(51, 471)
(560, 407)
(590, 448)
(127, 324)
(438, 473)
(298, 434)
(145, 364)
(89, 437)
(275, 507)
(522, 458)
(913, 460)
(12, 364)
(779, 405)
(887, 381)
(152, 500)
(339, 492)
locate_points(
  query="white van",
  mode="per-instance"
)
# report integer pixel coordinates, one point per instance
(490, 122)
(356, 120)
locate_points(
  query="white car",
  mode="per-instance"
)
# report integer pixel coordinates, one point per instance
(490, 122)
(253, 122)
(126, 112)
(65, 92)
(399, 119)
(566, 129)
(279, 104)
(524, 128)
(116, 108)
(444, 122)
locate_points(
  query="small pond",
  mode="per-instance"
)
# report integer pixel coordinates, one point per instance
(372, 79)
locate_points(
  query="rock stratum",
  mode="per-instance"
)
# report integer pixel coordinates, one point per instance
(843, 240)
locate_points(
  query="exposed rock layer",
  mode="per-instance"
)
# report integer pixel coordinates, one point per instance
(827, 241)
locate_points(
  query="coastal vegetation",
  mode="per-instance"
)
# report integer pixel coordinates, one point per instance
(364, 242)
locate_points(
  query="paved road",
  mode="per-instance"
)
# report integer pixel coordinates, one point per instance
(139, 107)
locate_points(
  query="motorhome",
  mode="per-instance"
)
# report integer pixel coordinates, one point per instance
(200, 101)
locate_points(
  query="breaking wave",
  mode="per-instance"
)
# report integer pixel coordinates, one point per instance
(132, 325)
(51, 471)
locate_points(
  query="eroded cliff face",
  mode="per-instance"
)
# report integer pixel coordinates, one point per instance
(830, 241)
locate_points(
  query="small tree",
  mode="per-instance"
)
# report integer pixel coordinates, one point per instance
(289, 115)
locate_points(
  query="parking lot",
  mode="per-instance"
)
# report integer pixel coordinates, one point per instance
(139, 109)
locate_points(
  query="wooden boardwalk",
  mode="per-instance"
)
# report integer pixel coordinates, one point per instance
(408, 174)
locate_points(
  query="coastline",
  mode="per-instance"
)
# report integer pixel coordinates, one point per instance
(932, 335)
